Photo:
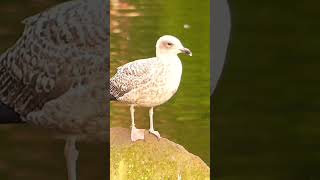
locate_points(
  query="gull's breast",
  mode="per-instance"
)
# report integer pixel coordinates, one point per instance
(164, 85)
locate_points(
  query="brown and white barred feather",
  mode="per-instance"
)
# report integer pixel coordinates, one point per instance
(131, 76)
(60, 49)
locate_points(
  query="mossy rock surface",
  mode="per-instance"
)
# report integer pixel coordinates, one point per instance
(152, 159)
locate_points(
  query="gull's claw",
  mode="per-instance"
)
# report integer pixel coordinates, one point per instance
(156, 133)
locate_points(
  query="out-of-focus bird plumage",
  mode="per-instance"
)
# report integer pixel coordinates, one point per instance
(54, 75)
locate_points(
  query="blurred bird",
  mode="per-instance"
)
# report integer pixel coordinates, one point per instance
(54, 75)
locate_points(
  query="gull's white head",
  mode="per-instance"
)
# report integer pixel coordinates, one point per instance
(170, 45)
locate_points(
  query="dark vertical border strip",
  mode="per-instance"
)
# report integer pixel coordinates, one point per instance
(108, 89)
(220, 25)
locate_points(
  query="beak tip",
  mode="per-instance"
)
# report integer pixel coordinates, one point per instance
(186, 51)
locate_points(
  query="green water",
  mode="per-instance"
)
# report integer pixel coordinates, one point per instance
(266, 116)
(185, 119)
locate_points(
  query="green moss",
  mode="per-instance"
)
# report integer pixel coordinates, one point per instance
(152, 159)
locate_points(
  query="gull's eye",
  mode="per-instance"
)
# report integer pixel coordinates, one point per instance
(169, 44)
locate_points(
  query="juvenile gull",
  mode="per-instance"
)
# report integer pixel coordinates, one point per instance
(149, 82)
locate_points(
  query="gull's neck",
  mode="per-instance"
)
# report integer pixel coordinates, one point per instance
(167, 57)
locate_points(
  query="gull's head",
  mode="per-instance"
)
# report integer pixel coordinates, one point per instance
(170, 45)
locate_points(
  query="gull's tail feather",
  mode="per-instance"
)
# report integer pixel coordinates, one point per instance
(112, 98)
(7, 113)
(112, 92)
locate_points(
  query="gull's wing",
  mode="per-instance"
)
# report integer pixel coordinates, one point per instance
(59, 48)
(131, 76)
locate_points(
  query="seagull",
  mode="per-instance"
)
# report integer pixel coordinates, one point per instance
(149, 82)
(54, 75)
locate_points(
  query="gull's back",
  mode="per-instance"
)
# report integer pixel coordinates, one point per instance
(60, 53)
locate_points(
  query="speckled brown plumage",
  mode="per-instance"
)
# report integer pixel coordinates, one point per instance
(61, 50)
(54, 75)
(146, 82)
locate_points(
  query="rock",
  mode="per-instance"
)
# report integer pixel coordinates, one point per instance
(152, 159)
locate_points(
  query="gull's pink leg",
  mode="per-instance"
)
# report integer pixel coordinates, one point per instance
(136, 134)
(151, 130)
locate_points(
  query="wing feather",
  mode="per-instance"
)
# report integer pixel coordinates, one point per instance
(51, 57)
(131, 76)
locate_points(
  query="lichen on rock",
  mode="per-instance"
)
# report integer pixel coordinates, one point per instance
(152, 159)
